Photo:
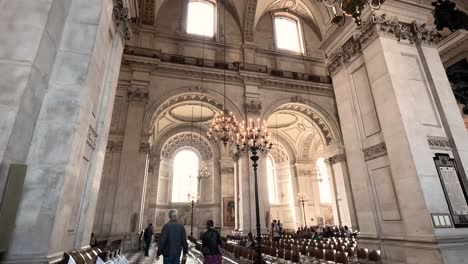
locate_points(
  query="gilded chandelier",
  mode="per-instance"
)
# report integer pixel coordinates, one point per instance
(223, 128)
(254, 136)
(352, 8)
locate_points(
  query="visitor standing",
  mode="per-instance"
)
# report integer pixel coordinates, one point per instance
(211, 240)
(147, 236)
(172, 241)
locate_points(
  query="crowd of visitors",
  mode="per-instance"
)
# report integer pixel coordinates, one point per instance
(318, 232)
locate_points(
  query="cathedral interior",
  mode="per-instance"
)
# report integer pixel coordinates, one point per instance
(313, 112)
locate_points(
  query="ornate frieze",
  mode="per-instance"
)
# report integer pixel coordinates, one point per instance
(298, 99)
(439, 143)
(137, 95)
(121, 19)
(253, 106)
(91, 138)
(375, 151)
(148, 12)
(337, 159)
(144, 147)
(114, 146)
(376, 25)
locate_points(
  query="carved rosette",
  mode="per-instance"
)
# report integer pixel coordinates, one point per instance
(113, 146)
(121, 21)
(337, 159)
(439, 143)
(253, 106)
(375, 151)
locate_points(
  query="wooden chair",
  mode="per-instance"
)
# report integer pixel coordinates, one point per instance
(362, 256)
(341, 257)
(281, 253)
(318, 254)
(374, 256)
(330, 255)
(296, 258)
(288, 255)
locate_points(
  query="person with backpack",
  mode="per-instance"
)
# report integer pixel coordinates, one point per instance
(148, 236)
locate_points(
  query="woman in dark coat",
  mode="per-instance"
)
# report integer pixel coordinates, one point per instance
(211, 240)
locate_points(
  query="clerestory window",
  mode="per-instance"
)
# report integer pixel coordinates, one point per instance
(201, 18)
(288, 33)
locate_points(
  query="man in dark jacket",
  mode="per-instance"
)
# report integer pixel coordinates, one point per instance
(172, 241)
(147, 236)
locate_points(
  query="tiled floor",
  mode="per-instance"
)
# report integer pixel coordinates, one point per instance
(139, 258)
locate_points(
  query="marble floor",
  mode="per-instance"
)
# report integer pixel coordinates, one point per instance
(138, 257)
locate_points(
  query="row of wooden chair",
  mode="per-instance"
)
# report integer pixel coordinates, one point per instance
(90, 255)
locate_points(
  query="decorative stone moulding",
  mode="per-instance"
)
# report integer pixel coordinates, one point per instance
(380, 25)
(337, 159)
(439, 143)
(121, 19)
(304, 173)
(91, 137)
(375, 151)
(188, 139)
(113, 146)
(250, 20)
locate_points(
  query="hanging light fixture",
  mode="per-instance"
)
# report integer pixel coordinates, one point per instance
(352, 8)
(224, 126)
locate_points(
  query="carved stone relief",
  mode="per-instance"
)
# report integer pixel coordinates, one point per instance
(144, 147)
(113, 146)
(137, 95)
(375, 151)
(439, 143)
(337, 159)
(250, 20)
(253, 106)
(121, 19)
(91, 137)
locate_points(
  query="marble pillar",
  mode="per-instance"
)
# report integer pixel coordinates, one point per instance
(394, 98)
(79, 57)
(129, 191)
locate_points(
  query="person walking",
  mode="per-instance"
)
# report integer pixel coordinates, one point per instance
(276, 232)
(147, 236)
(172, 241)
(211, 240)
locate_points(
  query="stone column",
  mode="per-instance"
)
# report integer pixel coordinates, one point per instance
(245, 201)
(227, 188)
(333, 193)
(344, 196)
(407, 113)
(151, 198)
(126, 209)
(54, 212)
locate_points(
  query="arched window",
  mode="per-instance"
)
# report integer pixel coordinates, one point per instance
(184, 182)
(271, 180)
(324, 184)
(288, 33)
(201, 18)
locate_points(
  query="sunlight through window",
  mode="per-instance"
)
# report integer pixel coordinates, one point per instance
(324, 185)
(288, 34)
(200, 19)
(185, 176)
(271, 180)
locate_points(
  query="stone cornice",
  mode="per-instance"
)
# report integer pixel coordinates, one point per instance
(337, 159)
(380, 25)
(189, 67)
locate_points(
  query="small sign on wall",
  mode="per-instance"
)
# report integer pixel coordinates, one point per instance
(454, 190)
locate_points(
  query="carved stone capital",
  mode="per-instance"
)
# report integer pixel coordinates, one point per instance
(375, 151)
(144, 147)
(137, 95)
(439, 143)
(337, 159)
(113, 146)
(121, 19)
(380, 25)
(253, 106)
